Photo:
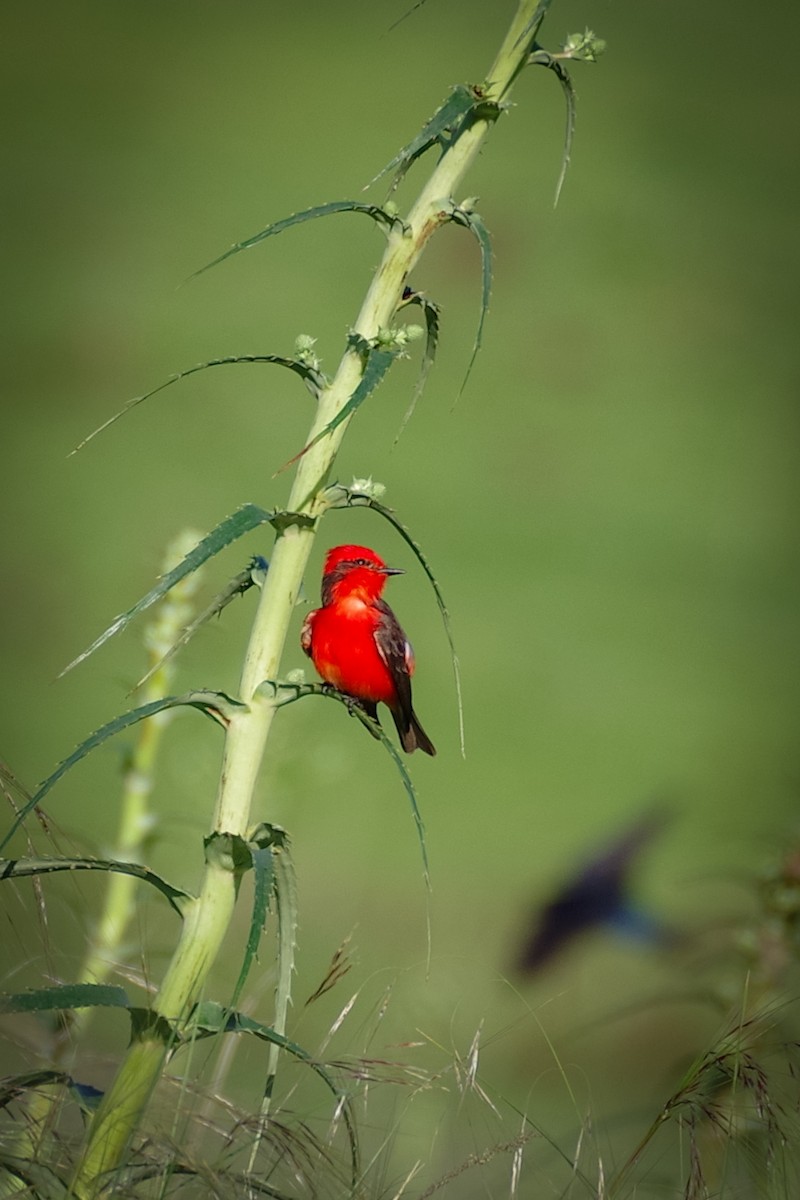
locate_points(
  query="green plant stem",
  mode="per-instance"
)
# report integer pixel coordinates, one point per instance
(206, 926)
(137, 822)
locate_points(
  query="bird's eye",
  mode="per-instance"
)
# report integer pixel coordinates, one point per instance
(360, 562)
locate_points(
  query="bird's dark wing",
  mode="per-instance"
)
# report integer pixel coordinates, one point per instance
(394, 649)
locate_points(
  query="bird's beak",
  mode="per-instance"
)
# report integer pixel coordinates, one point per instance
(392, 571)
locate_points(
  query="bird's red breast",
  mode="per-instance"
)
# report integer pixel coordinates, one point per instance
(356, 643)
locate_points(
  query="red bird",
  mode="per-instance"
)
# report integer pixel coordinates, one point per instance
(356, 643)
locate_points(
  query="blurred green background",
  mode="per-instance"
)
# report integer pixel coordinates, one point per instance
(610, 507)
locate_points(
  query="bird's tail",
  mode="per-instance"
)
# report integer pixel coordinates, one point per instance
(412, 735)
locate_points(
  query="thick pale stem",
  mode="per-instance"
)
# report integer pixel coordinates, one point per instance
(206, 926)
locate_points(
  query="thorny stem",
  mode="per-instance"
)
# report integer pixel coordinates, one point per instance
(207, 920)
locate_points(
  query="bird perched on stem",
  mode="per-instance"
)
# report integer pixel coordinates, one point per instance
(357, 645)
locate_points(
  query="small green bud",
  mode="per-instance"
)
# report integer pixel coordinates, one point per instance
(386, 338)
(390, 208)
(297, 676)
(585, 47)
(367, 487)
(414, 332)
(304, 342)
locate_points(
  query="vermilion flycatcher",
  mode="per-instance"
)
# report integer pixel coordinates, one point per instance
(356, 643)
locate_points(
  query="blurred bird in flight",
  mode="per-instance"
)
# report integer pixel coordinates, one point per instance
(598, 895)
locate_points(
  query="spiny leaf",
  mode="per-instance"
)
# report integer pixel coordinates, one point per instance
(313, 379)
(444, 124)
(273, 839)
(252, 576)
(248, 517)
(543, 59)
(383, 218)
(343, 497)
(285, 887)
(261, 861)
(431, 312)
(472, 221)
(377, 364)
(21, 867)
(66, 995)
(216, 705)
(210, 1018)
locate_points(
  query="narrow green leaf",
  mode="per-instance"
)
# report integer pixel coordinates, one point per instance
(377, 364)
(216, 705)
(442, 126)
(248, 517)
(252, 576)
(313, 379)
(261, 859)
(542, 58)
(284, 887)
(63, 996)
(431, 312)
(343, 497)
(20, 868)
(379, 215)
(472, 221)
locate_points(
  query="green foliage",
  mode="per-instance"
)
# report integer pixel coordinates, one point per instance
(449, 120)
